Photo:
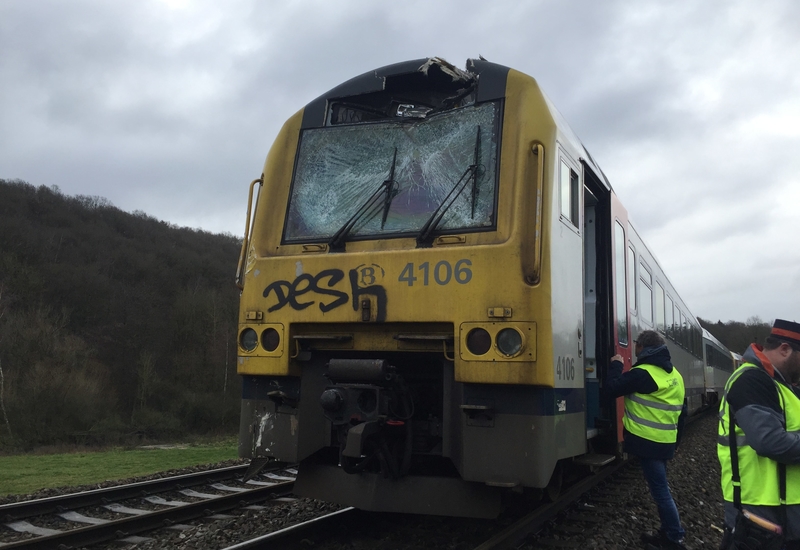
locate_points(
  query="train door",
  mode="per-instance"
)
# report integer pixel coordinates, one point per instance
(567, 281)
(566, 250)
(597, 303)
(619, 315)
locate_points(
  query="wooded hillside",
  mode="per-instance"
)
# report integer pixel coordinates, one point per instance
(737, 336)
(118, 326)
(111, 324)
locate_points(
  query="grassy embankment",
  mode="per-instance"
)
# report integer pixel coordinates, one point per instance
(24, 474)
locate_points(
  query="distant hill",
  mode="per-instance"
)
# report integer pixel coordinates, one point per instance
(111, 323)
(737, 336)
(117, 326)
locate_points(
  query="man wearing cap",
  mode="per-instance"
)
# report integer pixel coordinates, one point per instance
(763, 406)
(654, 414)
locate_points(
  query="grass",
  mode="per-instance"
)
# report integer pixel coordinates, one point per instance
(24, 474)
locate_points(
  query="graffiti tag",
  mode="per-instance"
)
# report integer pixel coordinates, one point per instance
(297, 294)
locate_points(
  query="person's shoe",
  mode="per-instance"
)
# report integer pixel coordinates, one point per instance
(658, 541)
(654, 538)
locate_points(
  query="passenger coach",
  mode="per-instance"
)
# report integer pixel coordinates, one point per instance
(719, 362)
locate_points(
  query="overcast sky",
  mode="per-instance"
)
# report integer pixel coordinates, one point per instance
(692, 109)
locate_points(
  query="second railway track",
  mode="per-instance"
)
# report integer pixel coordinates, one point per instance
(29, 524)
(610, 515)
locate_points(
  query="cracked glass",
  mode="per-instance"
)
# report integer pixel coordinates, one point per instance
(339, 168)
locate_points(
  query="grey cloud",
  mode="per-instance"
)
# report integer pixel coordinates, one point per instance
(172, 111)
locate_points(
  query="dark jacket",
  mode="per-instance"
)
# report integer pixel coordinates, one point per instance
(618, 384)
(754, 401)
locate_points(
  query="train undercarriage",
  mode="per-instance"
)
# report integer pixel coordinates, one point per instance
(399, 434)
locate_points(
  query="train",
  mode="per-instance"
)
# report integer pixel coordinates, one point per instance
(719, 362)
(433, 275)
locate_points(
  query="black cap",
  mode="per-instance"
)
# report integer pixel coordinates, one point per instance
(786, 331)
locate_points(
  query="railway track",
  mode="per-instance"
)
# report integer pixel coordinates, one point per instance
(581, 517)
(607, 505)
(608, 509)
(513, 535)
(296, 535)
(332, 530)
(123, 512)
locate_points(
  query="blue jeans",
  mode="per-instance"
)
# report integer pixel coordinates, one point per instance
(655, 473)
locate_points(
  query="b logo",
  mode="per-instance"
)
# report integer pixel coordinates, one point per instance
(368, 275)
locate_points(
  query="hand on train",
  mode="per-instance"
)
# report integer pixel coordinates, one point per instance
(619, 358)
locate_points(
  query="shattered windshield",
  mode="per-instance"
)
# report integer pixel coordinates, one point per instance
(340, 168)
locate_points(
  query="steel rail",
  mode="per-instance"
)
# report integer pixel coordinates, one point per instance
(94, 534)
(50, 505)
(290, 536)
(517, 531)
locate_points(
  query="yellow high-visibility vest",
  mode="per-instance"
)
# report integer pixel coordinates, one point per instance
(654, 416)
(758, 474)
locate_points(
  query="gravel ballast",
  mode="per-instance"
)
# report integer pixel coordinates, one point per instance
(622, 509)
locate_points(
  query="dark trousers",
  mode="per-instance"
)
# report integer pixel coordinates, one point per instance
(655, 473)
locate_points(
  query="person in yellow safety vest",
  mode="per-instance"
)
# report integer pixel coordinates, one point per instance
(763, 398)
(655, 411)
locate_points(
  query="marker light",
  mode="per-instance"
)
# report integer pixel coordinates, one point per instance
(478, 341)
(270, 339)
(248, 339)
(509, 342)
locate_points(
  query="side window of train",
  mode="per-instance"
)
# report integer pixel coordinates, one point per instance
(687, 326)
(670, 322)
(682, 328)
(569, 188)
(619, 284)
(632, 278)
(695, 337)
(645, 294)
(676, 327)
(661, 321)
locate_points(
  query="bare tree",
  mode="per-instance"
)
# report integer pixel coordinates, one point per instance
(146, 371)
(2, 378)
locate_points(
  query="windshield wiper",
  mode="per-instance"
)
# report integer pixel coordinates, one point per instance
(368, 209)
(425, 235)
(390, 192)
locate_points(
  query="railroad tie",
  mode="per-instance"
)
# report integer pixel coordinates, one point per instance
(26, 527)
(80, 518)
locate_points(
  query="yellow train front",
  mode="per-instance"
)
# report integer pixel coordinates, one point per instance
(426, 286)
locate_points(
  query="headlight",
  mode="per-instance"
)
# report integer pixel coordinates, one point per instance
(478, 341)
(270, 339)
(509, 342)
(248, 339)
